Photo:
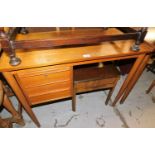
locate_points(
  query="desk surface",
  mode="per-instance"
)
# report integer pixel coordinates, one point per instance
(39, 58)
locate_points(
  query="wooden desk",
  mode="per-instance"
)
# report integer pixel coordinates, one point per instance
(43, 74)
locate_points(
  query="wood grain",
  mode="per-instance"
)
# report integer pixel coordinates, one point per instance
(76, 55)
(45, 84)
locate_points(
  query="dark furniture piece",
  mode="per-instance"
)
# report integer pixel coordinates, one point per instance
(10, 43)
(92, 77)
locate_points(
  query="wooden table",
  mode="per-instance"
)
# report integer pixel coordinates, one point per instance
(47, 75)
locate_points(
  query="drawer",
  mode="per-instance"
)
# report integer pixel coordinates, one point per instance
(45, 84)
(50, 96)
(44, 79)
(94, 85)
(43, 89)
(41, 70)
(35, 77)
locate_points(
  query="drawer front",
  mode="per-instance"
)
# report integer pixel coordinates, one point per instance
(51, 96)
(45, 84)
(94, 85)
(43, 89)
(43, 78)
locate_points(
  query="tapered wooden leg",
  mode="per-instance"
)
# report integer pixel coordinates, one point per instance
(151, 86)
(129, 78)
(74, 100)
(110, 93)
(135, 78)
(16, 117)
(20, 108)
(8, 105)
(9, 77)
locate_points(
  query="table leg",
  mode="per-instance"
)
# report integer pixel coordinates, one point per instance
(16, 117)
(129, 78)
(135, 78)
(10, 79)
(110, 93)
(151, 86)
(74, 101)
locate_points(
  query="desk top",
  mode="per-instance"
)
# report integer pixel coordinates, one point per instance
(40, 58)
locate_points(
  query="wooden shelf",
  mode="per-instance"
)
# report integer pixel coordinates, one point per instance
(93, 72)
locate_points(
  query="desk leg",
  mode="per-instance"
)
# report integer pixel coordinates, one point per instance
(151, 86)
(128, 79)
(74, 99)
(110, 93)
(135, 78)
(10, 79)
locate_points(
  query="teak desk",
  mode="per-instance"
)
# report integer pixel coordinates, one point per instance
(46, 75)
